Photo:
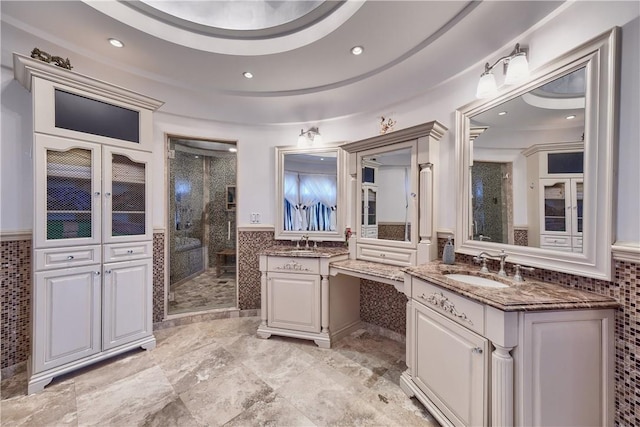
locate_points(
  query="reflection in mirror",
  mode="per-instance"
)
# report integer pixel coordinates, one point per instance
(385, 195)
(527, 167)
(310, 191)
(557, 132)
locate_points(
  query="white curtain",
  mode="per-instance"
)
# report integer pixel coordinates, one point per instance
(313, 198)
(293, 216)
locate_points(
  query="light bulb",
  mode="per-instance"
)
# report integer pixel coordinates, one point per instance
(487, 87)
(517, 70)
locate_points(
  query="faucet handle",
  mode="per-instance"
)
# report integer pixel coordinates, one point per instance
(517, 276)
(481, 259)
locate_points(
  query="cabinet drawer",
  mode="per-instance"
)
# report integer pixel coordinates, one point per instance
(395, 256)
(460, 309)
(47, 259)
(294, 265)
(555, 241)
(127, 251)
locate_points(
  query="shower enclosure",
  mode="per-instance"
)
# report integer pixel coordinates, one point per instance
(202, 225)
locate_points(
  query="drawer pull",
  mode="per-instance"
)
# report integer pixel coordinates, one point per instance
(130, 251)
(476, 350)
(442, 302)
(107, 272)
(70, 257)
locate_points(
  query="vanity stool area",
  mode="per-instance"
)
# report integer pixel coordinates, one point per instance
(527, 353)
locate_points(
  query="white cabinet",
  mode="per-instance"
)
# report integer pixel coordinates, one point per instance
(561, 201)
(450, 366)
(369, 198)
(294, 301)
(471, 364)
(92, 234)
(66, 316)
(300, 300)
(555, 195)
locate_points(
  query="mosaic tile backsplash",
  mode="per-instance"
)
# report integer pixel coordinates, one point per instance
(15, 290)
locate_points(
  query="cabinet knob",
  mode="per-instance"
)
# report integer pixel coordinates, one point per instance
(476, 350)
(70, 257)
(97, 273)
(130, 251)
(107, 272)
(97, 193)
(107, 194)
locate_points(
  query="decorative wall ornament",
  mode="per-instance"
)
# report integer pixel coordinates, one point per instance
(46, 57)
(293, 265)
(386, 124)
(439, 300)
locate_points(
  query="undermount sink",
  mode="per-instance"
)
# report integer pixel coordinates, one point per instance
(476, 281)
(302, 251)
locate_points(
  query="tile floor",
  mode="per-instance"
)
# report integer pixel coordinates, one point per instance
(219, 373)
(204, 292)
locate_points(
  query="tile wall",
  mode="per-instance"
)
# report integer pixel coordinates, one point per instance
(15, 257)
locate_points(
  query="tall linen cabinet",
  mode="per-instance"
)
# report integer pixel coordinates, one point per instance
(92, 232)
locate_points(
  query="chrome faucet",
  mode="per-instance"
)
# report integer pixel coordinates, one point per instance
(482, 258)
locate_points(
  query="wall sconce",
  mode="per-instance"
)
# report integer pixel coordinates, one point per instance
(516, 68)
(310, 137)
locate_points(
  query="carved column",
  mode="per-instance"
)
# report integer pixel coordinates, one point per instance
(324, 291)
(502, 386)
(263, 296)
(426, 203)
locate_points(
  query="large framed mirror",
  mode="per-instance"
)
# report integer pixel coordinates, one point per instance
(535, 165)
(310, 193)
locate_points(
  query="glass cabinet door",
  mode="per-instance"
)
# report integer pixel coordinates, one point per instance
(555, 205)
(371, 203)
(126, 195)
(577, 201)
(67, 192)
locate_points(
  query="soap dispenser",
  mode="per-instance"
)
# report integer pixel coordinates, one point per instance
(448, 255)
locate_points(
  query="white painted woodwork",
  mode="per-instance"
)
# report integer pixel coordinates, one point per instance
(42, 145)
(600, 58)
(450, 365)
(294, 301)
(127, 302)
(301, 300)
(66, 316)
(76, 256)
(86, 308)
(127, 251)
(423, 142)
(548, 368)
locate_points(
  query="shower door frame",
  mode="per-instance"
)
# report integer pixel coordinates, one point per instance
(167, 155)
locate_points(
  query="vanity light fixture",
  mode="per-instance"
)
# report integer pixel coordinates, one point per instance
(516, 68)
(247, 75)
(310, 137)
(502, 113)
(357, 50)
(116, 42)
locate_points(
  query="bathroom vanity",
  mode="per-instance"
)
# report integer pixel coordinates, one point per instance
(300, 300)
(507, 353)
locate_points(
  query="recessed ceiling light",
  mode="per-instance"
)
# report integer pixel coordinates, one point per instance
(116, 42)
(233, 149)
(357, 50)
(248, 75)
(502, 113)
(571, 117)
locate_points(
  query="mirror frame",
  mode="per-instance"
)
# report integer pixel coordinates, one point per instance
(600, 56)
(338, 234)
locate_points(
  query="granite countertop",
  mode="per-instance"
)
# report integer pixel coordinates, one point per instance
(529, 295)
(390, 272)
(292, 251)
